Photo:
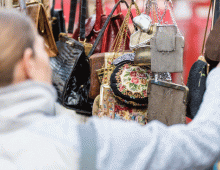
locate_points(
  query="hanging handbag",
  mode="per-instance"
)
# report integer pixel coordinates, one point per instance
(197, 79)
(140, 40)
(71, 73)
(58, 21)
(167, 48)
(212, 47)
(167, 102)
(97, 60)
(81, 29)
(143, 22)
(140, 43)
(38, 14)
(129, 82)
(94, 25)
(106, 105)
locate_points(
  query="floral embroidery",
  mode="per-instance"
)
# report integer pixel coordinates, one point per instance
(132, 81)
(117, 110)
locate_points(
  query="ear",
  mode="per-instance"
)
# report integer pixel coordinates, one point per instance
(28, 63)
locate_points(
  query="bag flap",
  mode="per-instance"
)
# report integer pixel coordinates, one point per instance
(166, 38)
(164, 84)
(33, 10)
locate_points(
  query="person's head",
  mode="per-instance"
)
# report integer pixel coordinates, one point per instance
(22, 53)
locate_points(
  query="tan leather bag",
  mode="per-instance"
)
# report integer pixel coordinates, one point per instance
(38, 14)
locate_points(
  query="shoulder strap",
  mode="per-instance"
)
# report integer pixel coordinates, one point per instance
(72, 16)
(53, 7)
(99, 12)
(82, 20)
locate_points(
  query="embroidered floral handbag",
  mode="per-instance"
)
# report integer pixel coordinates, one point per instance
(116, 109)
(129, 83)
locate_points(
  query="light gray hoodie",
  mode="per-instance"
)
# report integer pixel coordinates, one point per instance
(31, 140)
(31, 136)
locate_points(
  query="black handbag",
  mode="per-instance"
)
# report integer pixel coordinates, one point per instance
(58, 24)
(197, 81)
(71, 72)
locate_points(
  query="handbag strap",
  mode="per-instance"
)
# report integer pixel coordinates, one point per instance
(99, 13)
(53, 7)
(72, 16)
(82, 17)
(170, 7)
(122, 33)
(207, 23)
(118, 8)
(105, 25)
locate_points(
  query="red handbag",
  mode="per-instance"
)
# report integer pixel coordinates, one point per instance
(95, 23)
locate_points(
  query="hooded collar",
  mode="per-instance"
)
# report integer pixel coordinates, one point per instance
(27, 98)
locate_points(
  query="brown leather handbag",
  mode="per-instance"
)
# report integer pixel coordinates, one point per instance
(38, 14)
(94, 25)
(212, 48)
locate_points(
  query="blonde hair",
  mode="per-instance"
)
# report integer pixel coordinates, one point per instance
(17, 34)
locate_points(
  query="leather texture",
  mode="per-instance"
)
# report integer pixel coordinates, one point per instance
(37, 12)
(71, 73)
(96, 62)
(58, 24)
(212, 47)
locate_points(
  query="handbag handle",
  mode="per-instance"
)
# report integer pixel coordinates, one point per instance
(104, 26)
(72, 16)
(53, 6)
(207, 23)
(99, 13)
(82, 17)
(118, 8)
(122, 34)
